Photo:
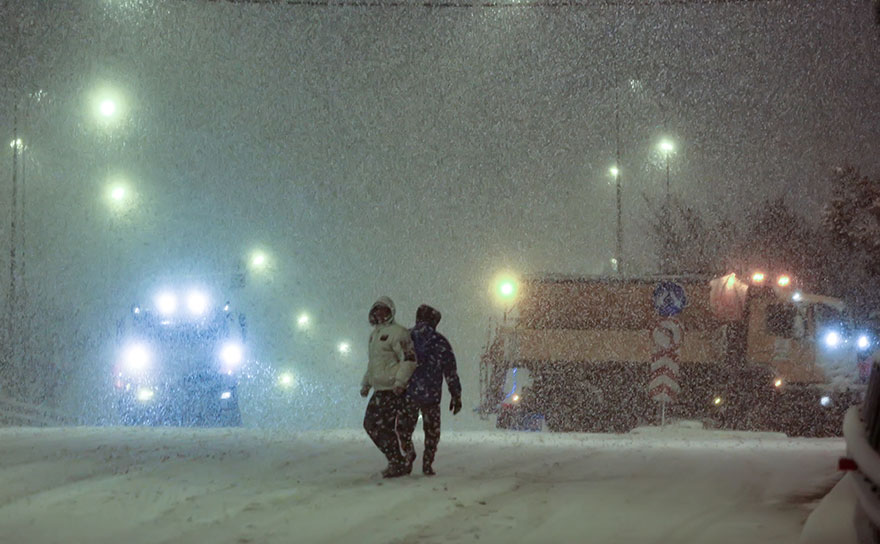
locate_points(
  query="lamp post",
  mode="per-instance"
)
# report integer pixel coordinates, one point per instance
(667, 147)
(615, 172)
(506, 290)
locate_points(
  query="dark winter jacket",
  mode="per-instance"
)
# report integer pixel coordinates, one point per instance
(434, 361)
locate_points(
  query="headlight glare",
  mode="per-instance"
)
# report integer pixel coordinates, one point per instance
(166, 303)
(832, 339)
(197, 303)
(231, 355)
(136, 358)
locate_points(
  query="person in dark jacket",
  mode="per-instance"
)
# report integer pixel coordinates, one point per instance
(434, 362)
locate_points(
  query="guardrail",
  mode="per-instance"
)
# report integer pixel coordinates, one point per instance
(20, 414)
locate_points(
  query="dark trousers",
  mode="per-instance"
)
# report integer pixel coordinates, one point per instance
(430, 423)
(380, 422)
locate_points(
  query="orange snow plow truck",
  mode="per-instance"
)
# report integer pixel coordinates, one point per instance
(752, 355)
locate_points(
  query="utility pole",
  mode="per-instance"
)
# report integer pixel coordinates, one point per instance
(619, 199)
(619, 253)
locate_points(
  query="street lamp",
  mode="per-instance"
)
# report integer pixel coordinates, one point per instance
(119, 195)
(107, 108)
(667, 148)
(107, 103)
(259, 260)
(286, 380)
(506, 290)
(615, 172)
(303, 321)
(344, 348)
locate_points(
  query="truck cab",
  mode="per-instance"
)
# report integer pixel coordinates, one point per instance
(178, 361)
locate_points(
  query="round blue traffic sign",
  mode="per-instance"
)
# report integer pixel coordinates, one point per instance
(669, 298)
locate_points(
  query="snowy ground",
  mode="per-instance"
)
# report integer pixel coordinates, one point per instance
(173, 485)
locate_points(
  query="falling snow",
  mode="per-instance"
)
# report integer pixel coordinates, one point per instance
(201, 201)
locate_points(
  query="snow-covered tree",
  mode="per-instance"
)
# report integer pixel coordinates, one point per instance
(777, 239)
(852, 220)
(772, 238)
(691, 241)
(853, 214)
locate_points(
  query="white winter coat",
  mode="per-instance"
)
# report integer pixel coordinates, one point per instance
(392, 359)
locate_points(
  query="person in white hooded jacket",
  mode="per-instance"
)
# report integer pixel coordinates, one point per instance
(392, 361)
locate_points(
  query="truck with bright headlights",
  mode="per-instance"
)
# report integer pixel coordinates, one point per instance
(750, 352)
(178, 361)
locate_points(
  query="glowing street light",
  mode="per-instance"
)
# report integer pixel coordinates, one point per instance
(303, 321)
(17, 144)
(666, 147)
(286, 380)
(344, 348)
(614, 171)
(118, 194)
(259, 260)
(107, 107)
(108, 104)
(506, 288)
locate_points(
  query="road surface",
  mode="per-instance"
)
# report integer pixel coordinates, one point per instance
(155, 485)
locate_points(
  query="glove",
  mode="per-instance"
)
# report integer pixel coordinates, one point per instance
(455, 405)
(365, 390)
(398, 390)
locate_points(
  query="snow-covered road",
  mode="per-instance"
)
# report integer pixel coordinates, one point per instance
(173, 485)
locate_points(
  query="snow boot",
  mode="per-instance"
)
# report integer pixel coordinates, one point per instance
(409, 459)
(395, 470)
